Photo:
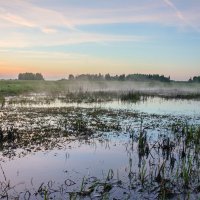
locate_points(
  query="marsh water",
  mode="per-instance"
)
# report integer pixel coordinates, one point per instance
(94, 144)
(151, 105)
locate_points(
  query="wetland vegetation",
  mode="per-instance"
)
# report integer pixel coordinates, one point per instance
(74, 139)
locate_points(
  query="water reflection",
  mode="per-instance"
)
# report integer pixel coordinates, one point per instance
(134, 154)
(152, 105)
(92, 158)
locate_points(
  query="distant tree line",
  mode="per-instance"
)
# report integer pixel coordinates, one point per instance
(122, 77)
(30, 76)
(195, 79)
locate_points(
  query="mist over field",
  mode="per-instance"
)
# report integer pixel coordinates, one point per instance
(147, 87)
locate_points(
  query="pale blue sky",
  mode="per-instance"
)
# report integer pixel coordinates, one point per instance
(59, 37)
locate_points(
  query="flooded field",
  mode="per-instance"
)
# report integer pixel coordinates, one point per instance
(52, 148)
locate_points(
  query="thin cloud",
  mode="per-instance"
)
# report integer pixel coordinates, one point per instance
(49, 30)
(63, 26)
(17, 20)
(21, 40)
(43, 55)
(25, 13)
(178, 12)
(185, 18)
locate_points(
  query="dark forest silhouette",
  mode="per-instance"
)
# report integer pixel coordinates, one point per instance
(122, 77)
(108, 77)
(30, 76)
(195, 79)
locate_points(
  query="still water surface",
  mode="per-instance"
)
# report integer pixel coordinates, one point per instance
(91, 158)
(153, 105)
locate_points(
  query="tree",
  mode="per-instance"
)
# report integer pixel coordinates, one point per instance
(196, 79)
(30, 76)
(121, 77)
(39, 76)
(71, 77)
(107, 77)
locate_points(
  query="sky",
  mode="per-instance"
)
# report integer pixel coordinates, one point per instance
(62, 37)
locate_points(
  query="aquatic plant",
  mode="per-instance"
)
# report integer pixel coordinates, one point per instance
(131, 96)
(2, 101)
(186, 172)
(143, 173)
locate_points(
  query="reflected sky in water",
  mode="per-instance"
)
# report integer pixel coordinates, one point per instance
(153, 105)
(95, 157)
(91, 158)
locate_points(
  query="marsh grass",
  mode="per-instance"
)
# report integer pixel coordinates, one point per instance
(143, 174)
(2, 101)
(131, 97)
